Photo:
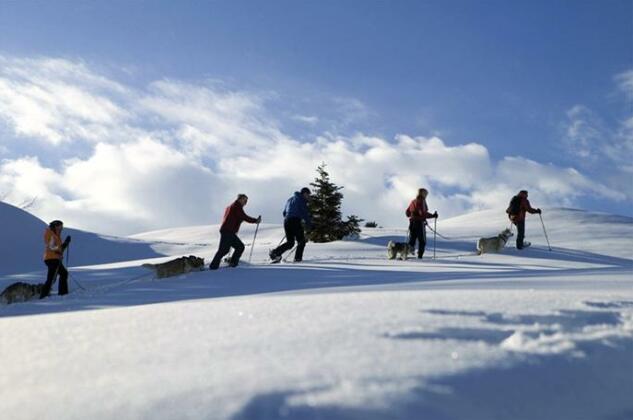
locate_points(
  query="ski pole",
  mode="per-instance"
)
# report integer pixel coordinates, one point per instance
(434, 235)
(68, 269)
(545, 232)
(253, 244)
(292, 252)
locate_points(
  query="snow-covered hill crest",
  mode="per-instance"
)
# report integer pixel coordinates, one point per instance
(345, 334)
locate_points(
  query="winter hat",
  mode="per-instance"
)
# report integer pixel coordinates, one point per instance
(305, 190)
(55, 223)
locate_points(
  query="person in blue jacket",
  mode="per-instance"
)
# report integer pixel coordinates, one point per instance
(295, 211)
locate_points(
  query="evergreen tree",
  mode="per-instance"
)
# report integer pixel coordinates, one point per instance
(351, 227)
(325, 206)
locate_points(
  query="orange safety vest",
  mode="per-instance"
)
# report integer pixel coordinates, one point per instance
(53, 245)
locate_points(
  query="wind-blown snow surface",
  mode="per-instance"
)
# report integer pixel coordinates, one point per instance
(527, 334)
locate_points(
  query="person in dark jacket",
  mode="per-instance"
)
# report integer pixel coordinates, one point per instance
(519, 206)
(53, 256)
(418, 212)
(295, 211)
(233, 217)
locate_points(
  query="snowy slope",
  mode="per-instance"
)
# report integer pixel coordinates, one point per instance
(24, 244)
(527, 334)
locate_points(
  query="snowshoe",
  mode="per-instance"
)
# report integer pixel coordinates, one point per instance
(525, 245)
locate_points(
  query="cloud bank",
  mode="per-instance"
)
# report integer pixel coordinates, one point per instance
(176, 152)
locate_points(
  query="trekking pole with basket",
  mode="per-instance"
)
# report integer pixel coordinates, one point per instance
(68, 268)
(253, 244)
(292, 252)
(545, 232)
(434, 235)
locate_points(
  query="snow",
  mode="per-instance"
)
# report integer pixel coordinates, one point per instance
(345, 334)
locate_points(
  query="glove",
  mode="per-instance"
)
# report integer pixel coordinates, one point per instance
(435, 214)
(66, 242)
(538, 211)
(259, 219)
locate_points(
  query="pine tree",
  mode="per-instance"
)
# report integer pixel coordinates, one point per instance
(325, 206)
(351, 227)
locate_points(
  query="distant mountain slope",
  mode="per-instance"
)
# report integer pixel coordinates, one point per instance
(23, 246)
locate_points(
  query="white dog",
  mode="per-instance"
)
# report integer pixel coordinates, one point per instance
(494, 244)
(395, 248)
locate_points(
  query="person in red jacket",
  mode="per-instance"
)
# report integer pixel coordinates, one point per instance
(418, 212)
(233, 217)
(519, 206)
(53, 255)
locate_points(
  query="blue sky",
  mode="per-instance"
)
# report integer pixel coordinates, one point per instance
(545, 81)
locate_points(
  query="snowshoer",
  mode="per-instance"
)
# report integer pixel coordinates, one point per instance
(519, 206)
(233, 217)
(53, 256)
(295, 211)
(418, 212)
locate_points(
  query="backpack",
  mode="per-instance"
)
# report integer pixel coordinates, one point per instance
(515, 206)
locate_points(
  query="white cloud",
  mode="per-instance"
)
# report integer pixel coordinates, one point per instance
(625, 83)
(58, 100)
(603, 147)
(175, 153)
(306, 119)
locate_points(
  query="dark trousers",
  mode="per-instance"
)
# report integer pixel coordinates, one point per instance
(520, 233)
(417, 232)
(294, 231)
(228, 240)
(55, 268)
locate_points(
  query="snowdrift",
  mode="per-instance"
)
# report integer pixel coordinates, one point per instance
(23, 245)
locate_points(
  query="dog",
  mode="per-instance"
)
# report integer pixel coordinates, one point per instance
(21, 292)
(494, 244)
(398, 248)
(182, 265)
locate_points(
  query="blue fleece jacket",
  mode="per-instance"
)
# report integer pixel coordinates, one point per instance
(296, 206)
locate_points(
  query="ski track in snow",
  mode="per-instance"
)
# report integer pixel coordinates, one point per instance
(345, 334)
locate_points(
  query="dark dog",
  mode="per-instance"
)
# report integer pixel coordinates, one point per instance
(21, 292)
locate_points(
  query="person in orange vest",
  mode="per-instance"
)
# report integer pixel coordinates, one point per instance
(53, 256)
(418, 212)
(233, 217)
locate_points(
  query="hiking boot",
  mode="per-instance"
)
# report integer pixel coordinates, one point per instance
(274, 258)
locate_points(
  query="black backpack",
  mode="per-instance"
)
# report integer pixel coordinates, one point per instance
(515, 206)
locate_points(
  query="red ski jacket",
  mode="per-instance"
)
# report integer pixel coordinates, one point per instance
(418, 210)
(233, 217)
(525, 208)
